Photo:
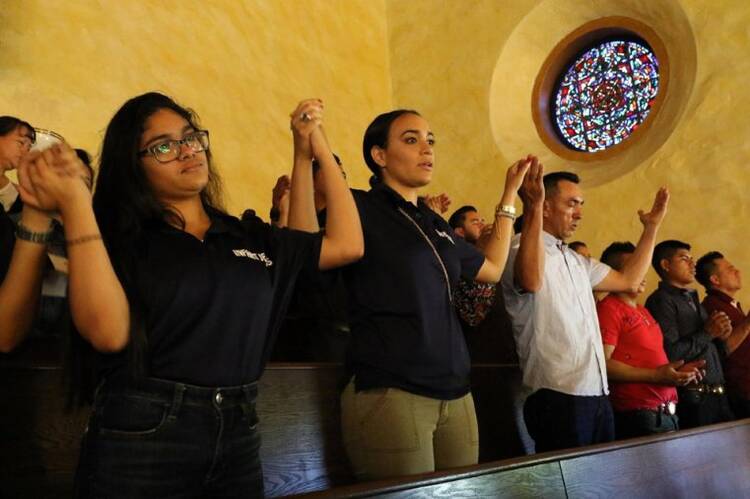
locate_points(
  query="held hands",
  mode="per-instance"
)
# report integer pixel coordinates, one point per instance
(532, 184)
(50, 179)
(658, 210)
(719, 326)
(439, 203)
(697, 366)
(307, 116)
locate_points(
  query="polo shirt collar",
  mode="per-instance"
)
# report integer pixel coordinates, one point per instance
(396, 199)
(221, 223)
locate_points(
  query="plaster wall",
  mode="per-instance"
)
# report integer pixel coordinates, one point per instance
(446, 68)
(242, 65)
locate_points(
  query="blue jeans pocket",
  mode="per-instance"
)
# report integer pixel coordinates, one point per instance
(250, 415)
(131, 416)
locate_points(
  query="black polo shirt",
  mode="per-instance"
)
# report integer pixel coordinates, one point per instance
(7, 241)
(211, 308)
(405, 332)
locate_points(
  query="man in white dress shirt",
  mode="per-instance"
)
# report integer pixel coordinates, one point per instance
(16, 138)
(548, 290)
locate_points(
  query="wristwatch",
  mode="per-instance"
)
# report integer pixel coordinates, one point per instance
(25, 234)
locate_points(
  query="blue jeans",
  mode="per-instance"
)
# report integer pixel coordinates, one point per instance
(560, 421)
(158, 438)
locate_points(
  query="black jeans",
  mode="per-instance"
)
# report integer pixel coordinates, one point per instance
(157, 438)
(629, 424)
(696, 409)
(560, 421)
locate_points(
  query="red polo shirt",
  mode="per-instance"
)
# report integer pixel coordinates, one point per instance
(737, 366)
(638, 342)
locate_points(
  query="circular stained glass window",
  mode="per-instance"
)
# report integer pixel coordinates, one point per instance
(605, 94)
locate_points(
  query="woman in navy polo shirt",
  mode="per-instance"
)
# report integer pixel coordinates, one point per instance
(408, 408)
(181, 300)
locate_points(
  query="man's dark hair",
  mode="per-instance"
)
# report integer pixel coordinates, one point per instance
(316, 165)
(613, 254)
(9, 123)
(664, 251)
(459, 216)
(552, 179)
(576, 244)
(705, 267)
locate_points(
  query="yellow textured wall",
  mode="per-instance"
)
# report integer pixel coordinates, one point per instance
(242, 65)
(444, 55)
(467, 65)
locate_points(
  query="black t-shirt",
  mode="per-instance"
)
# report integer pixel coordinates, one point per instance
(7, 241)
(405, 332)
(211, 308)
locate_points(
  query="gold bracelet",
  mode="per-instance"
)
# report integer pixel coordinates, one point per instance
(83, 239)
(505, 210)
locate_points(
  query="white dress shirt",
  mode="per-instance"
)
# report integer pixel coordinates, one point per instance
(556, 329)
(8, 195)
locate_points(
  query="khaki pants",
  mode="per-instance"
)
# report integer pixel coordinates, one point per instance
(389, 432)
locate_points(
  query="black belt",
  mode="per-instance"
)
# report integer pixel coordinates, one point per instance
(706, 389)
(668, 408)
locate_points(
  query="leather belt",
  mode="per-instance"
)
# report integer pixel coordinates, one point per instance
(706, 389)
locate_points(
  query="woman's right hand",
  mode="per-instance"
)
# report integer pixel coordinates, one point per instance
(52, 179)
(304, 120)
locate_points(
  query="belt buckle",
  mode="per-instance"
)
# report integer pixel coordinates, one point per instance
(717, 390)
(670, 408)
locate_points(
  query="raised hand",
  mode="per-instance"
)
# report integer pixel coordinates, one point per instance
(532, 186)
(658, 210)
(281, 189)
(517, 171)
(51, 179)
(306, 117)
(439, 203)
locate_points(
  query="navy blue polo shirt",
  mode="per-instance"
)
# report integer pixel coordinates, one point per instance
(212, 307)
(405, 332)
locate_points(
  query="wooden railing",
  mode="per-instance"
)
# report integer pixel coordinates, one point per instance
(709, 462)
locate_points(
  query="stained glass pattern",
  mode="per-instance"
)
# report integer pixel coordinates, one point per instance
(606, 94)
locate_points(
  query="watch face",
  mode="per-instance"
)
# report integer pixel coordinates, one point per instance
(46, 139)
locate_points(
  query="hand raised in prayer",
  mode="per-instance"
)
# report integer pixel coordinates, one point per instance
(532, 186)
(658, 210)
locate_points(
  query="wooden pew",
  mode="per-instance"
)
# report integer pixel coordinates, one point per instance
(709, 462)
(298, 407)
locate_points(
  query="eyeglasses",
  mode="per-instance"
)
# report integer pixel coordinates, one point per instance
(169, 150)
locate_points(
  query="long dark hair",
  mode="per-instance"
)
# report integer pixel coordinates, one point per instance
(125, 203)
(377, 135)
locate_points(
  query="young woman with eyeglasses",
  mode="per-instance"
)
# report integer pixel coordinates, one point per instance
(408, 408)
(179, 299)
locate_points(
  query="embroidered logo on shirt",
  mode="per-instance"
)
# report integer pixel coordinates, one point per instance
(261, 257)
(445, 235)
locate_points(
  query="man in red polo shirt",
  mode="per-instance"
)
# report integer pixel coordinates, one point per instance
(643, 381)
(722, 281)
